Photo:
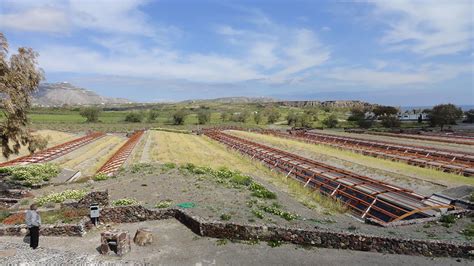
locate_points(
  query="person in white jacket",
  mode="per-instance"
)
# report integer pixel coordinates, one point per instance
(33, 221)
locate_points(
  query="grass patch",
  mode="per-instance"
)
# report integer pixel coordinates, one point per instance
(63, 216)
(274, 243)
(4, 214)
(125, 202)
(226, 217)
(31, 175)
(163, 204)
(221, 242)
(447, 220)
(468, 232)
(168, 166)
(230, 178)
(259, 214)
(142, 168)
(60, 197)
(275, 210)
(100, 177)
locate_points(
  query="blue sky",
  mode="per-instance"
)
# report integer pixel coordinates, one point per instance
(390, 52)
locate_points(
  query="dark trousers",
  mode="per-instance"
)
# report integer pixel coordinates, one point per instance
(34, 236)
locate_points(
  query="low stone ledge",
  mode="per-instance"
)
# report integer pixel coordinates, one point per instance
(48, 230)
(219, 229)
(134, 213)
(315, 237)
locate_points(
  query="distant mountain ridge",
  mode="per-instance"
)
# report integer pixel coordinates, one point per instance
(237, 99)
(64, 93)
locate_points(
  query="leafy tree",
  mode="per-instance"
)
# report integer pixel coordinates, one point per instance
(390, 121)
(313, 112)
(91, 114)
(152, 115)
(304, 120)
(291, 118)
(469, 116)
(257, 117)
(204, 116)
(241, 117)
(273, 115)
(179, 117)
(134, 117)
(19, 78)
(381, 110)
(444, 114)
(358, 116)
(330, 121)
(226, 116)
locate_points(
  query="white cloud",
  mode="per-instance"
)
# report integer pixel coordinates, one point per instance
(376, 78)
(427, 27)
(43, 19)
(159, 64)
(106, 16)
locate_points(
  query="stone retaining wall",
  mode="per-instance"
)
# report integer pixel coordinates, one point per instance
(217, 229)
(48, 230)
(98, 197)
(315, 237)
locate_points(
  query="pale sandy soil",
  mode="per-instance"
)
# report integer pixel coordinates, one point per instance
(89, 158)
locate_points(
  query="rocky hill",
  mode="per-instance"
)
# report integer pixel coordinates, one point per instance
(59, 94)
(234, 100)
(332, 104)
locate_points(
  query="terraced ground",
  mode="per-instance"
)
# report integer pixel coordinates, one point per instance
(403, 141)
(91, 157)
(54, 137)
(422, 180)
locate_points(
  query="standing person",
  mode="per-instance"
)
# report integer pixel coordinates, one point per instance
(33, 221)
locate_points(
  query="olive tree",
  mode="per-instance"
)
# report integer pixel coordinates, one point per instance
(19, 79)
(91, 114)
(444, 114)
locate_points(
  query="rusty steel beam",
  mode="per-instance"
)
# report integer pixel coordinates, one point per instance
(367, 198)
(436, 138)
(118, 159)
(54, 152)
(447, 161)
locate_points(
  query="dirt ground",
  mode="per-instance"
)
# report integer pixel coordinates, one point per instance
(174, 244)
(151, 185)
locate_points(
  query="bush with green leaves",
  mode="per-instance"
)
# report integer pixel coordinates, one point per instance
(231, 178)
(33, 174)
(60, 197)
(275, 209)
(260, 191)
(101, 177)
(125, 202)
(164, 204)
(142, 168)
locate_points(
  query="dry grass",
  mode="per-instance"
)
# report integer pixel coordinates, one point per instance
(54, 138)
(402, 141)
(185, 148)
(408, 170)
(90, 158)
